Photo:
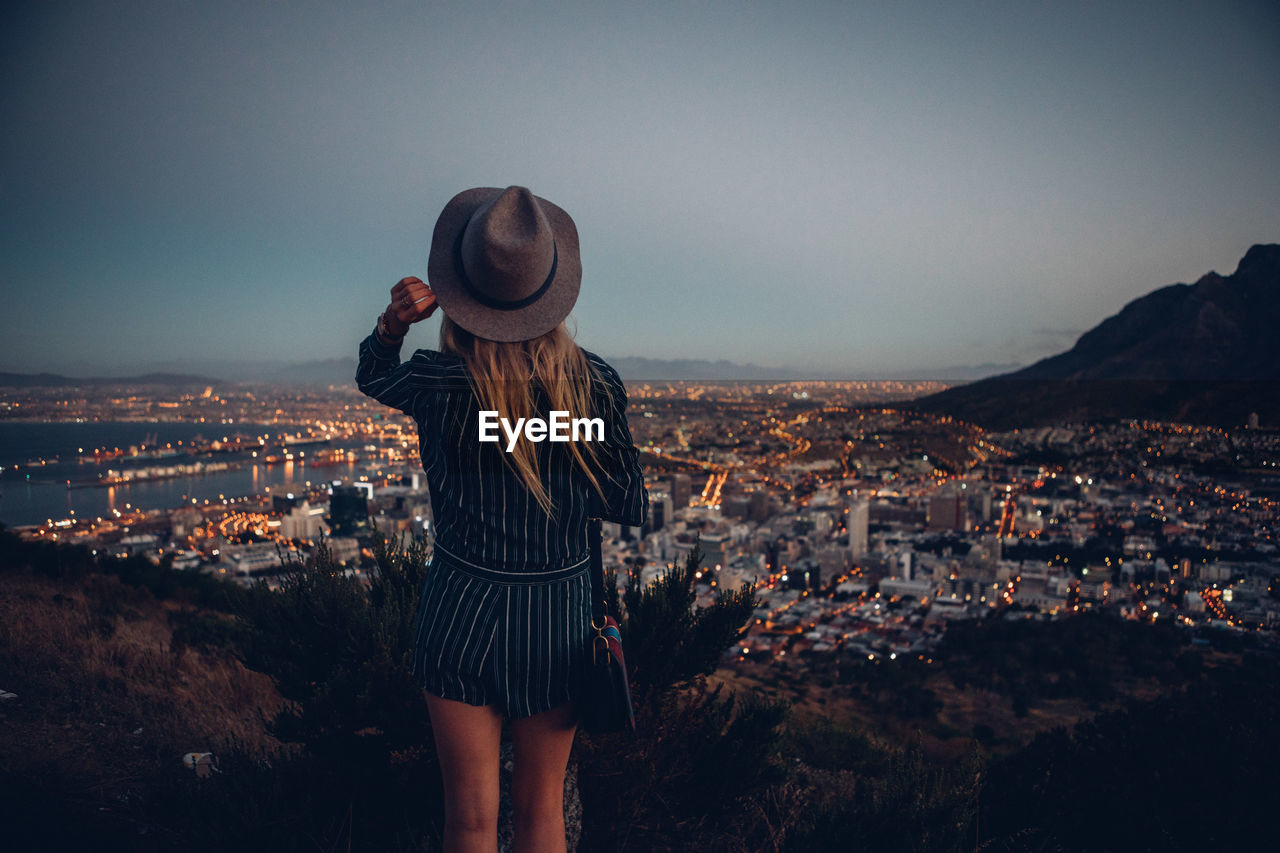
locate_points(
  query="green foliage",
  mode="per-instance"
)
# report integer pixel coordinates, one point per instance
(1185, 772)
(303, 803)
(667, 639)
(75, 563)
(707, 770)
(340, 649)
(339, 646)
(206, 629)
(914, 805)
(60, 562)
(699, 757)
(984, 734)
(895, 688)
(826, 745)
(1083, 656)
(687, 779)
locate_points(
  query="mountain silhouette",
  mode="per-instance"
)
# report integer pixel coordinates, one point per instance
(1206, 353)
(57, 380)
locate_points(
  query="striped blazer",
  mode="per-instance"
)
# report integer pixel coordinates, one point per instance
(483, 512)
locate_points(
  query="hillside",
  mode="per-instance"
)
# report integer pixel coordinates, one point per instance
(107, 698)
(119, 667)
(1200, 353)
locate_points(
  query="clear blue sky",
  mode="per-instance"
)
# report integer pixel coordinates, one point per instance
(836, 186)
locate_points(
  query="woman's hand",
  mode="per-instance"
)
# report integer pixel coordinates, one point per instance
(411, 301)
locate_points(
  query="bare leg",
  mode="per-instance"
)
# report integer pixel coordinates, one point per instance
(467, 738)
(541, 744)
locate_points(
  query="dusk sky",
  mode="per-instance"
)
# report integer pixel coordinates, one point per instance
(826, 186)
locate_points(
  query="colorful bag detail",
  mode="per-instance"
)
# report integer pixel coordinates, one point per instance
(605, 704)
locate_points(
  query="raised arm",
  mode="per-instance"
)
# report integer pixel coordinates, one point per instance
(380, 373)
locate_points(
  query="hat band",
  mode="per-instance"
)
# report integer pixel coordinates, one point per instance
(492, 301)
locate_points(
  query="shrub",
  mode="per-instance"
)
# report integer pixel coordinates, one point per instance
(698, 758)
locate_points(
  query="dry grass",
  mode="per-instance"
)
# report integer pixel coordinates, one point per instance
(104, 697)
(949, 734)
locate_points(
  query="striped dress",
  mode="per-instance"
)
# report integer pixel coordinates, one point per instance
(504, 612)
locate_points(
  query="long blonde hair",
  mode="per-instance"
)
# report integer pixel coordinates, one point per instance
(503, 375)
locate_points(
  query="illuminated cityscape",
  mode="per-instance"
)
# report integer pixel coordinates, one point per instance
(867, 527)
(949, 338)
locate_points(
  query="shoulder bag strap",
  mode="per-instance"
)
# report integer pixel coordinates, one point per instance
(598, 605)
(599, 608)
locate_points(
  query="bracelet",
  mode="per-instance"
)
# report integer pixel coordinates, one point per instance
(384, 332)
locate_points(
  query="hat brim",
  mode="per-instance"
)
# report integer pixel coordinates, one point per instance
(521, 324)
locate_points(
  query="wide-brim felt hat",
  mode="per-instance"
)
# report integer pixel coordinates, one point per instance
(504, 263)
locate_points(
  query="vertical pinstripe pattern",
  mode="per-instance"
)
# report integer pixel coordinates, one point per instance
(483, 512)
(504, 613)
(516, 642)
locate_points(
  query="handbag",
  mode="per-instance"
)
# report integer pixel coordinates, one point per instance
(605, 704)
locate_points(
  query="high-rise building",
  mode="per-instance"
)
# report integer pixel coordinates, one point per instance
(284, 503)
(657, 517)
(858, 524)
(946, 511)
(804, 575)
(715, 550)
(348, 510)
(738, 506)
(659, 510)
(303, 521)
(831, 561)
(985, 505)
(681, 490)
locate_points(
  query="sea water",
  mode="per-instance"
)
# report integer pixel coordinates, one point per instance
(31, 493)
